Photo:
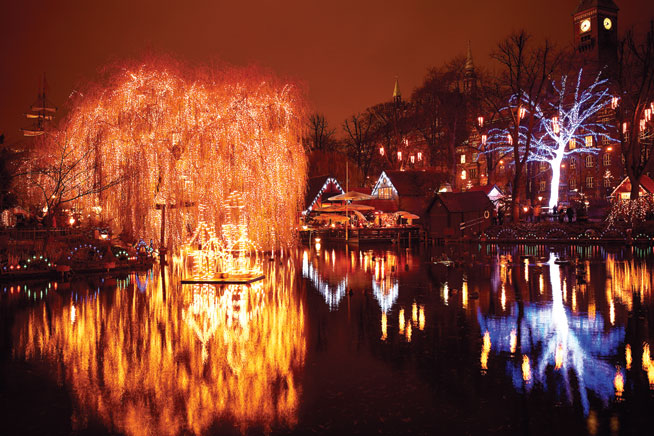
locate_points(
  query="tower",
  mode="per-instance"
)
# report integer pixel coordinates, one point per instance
(595, 30)
(469, 75)
(397, 96)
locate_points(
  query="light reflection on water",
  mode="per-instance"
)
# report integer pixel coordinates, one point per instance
(175, 360)
(504, 334)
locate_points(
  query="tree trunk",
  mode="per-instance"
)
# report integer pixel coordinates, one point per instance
(635, 186)
(515, 195)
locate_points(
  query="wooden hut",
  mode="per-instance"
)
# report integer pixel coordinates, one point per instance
(458, 214)
(623, 190)
(409, 190)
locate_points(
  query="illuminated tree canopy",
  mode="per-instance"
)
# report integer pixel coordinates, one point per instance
(186, 138)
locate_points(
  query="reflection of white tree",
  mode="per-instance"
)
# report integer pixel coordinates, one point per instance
(332, 294)
(554, 337)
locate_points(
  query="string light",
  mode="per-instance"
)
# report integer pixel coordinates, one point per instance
(180, 137)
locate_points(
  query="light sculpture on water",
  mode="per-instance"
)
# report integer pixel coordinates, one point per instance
(232, 258)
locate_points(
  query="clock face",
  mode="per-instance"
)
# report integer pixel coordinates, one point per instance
(585, 26)
(608, 23)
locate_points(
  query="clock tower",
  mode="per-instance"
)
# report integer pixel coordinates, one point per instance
(595, 30)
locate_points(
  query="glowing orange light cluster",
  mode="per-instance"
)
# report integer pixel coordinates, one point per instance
(196, 355)
(183, 137)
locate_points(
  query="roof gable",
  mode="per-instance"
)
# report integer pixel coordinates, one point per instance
(646, 184)
(411, 182)
(315, 188)
(462, 201)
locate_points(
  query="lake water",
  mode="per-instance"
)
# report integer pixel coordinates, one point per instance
(504, 340)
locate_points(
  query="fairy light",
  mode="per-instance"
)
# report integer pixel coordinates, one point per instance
(182, 138)
(614, 102)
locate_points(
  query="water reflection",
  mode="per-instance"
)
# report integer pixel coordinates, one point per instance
(332, 293)
(371, 340)
(170, 363)
(555, 338)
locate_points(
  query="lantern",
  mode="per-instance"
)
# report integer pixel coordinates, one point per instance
(614, 102)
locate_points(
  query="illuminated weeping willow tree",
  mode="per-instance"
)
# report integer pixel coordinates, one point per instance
(186, 138)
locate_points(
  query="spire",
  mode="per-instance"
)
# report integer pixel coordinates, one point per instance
(470, 66)
(396, 91)
(469, 76)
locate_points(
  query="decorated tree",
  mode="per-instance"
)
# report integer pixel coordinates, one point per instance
(523, 82)
(62, 172)
(158, 134)
(570, 117)
(634, 105)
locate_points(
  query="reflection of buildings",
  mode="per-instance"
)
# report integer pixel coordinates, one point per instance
(551, 336)
(626, 281)
(385, 286)
(142, 366)
(333, 294)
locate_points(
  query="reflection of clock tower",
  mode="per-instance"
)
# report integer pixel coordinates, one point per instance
(596, 31)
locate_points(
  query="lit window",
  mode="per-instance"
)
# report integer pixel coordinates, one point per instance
(573, 144)
(385, 193)
(607, 160)
(463, 174)
(573, 163)
(607, 182)
(543, 166)
(589, 161)
(589, 141)
(475, 157)
(472, 173)
(542, 186)
(463, 158)
(589, 182)
(573, 184)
